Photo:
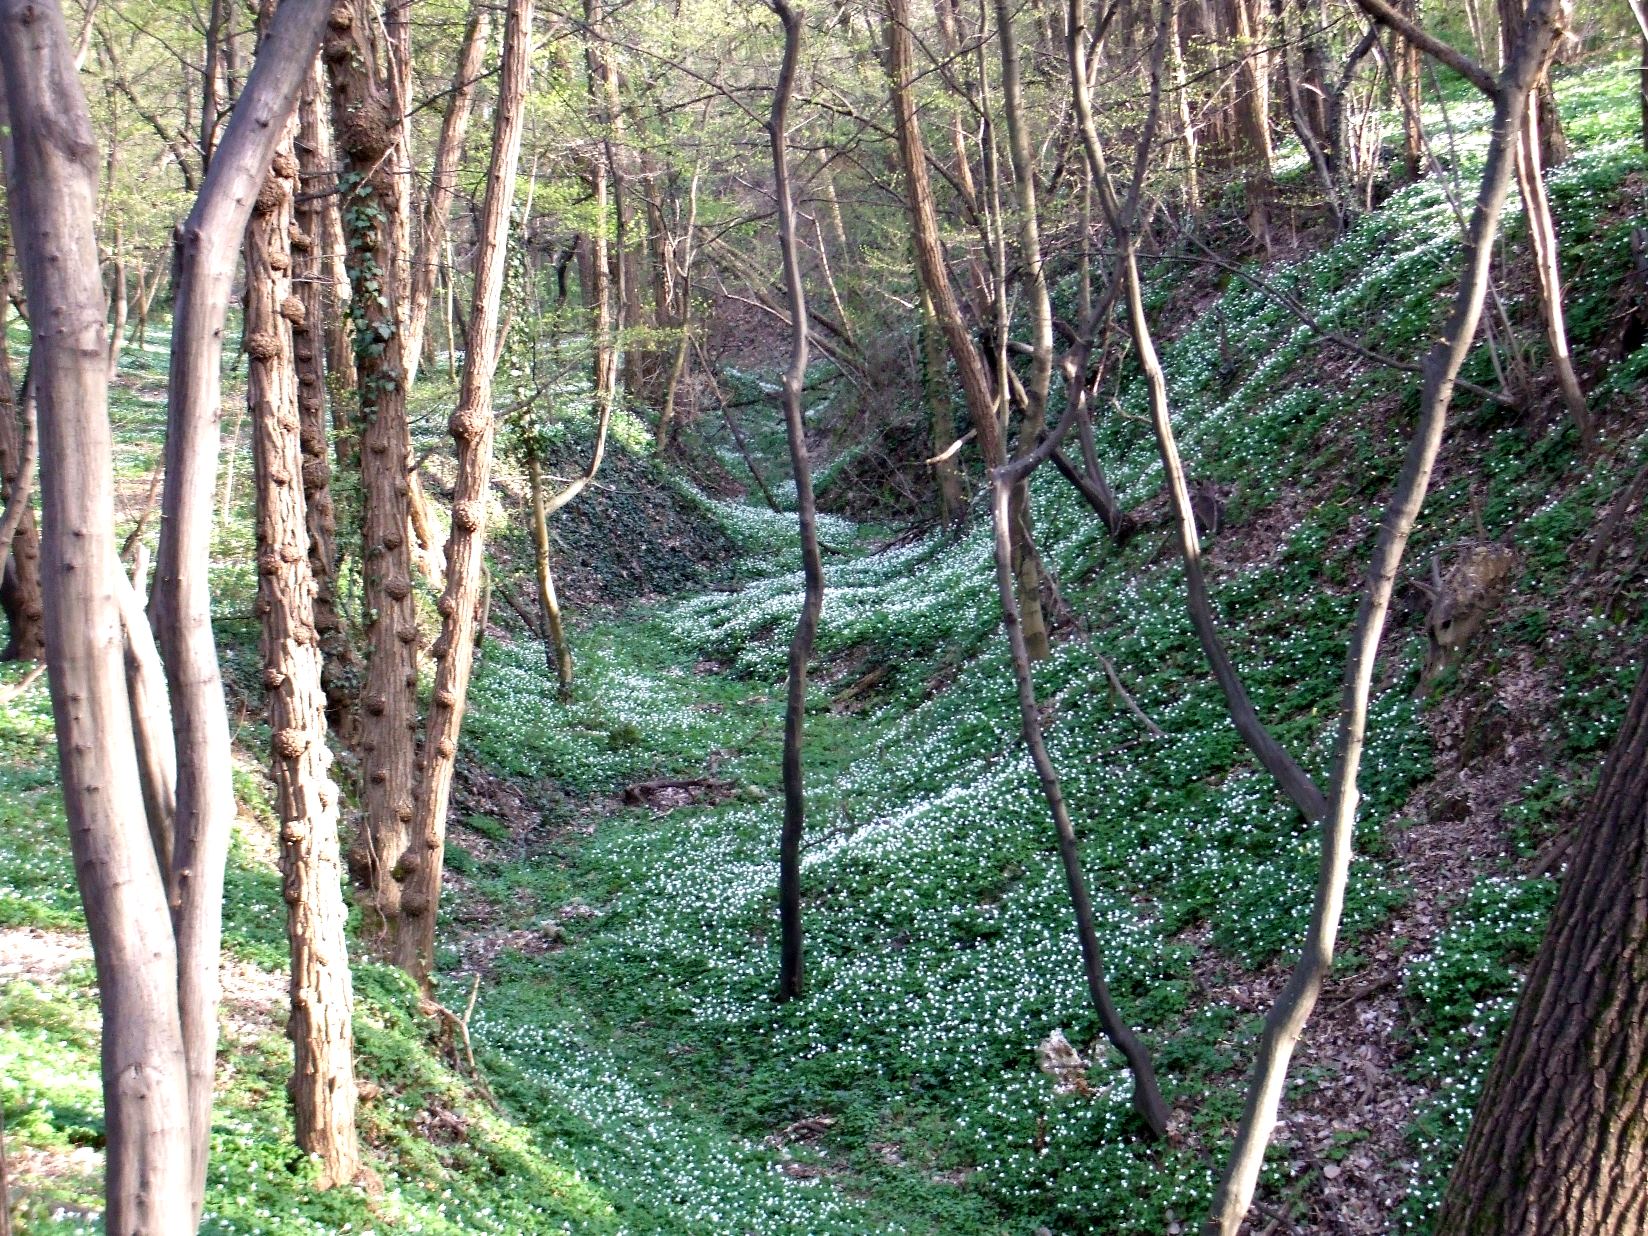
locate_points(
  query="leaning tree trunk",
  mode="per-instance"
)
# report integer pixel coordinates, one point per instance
(1559, 1142)
(208, 251)
(556, 646)
(1545, 25)
(366, 128)
(322, 1085)
(472, 432)
(51, 173)
(806, 627)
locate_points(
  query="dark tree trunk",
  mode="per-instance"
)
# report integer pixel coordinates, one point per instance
(1559, 1143)
(790, 973)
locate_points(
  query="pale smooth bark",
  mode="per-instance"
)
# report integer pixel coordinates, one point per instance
(52, 189)
(208, 249)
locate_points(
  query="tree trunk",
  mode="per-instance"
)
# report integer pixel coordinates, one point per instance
(1026, 568)
(472, 432)
(51, 172)
(322, 1085)
(310, 212)
(935, 381)
(790, 973)
(1559, 1142)
(443, 186)
(208, 249)
(557, 648)
(20, 594)
(366, 127)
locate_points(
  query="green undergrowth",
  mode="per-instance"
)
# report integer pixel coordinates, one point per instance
(647, 1081)
(941, 950)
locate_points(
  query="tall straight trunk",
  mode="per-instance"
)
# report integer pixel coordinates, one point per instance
(1243, 28)
(322, 1085)
(790, 972)
(119, 301)
(472, 431)
(683, 322)
(1187, 125)
(1543, 28)
(1559, 1142)
(611, 289)
(1032, 624)
(366, 127)
(208, 250)
(310, 215)
(51, 173)
(443, 187)
(556, 647)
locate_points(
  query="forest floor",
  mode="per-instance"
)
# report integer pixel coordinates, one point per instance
(610, 917)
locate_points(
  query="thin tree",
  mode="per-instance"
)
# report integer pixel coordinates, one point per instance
(790, 971)
(443, 186)
(322, 1086)
(472, 426)
(1559, 1142)
(1542, 30)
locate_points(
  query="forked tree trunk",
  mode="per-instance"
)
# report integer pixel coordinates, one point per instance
(322, 1085)
(310, 211)
(208, 251)
(1559, 1142)
(472, 432)
(931, 269)
(366, 128)
(790, 972)
(51, 173)
(1026, 569)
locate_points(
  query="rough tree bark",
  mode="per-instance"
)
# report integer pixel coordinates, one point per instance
(1559, 1142)
(366, 127)
(322, 1085)
(1537, 41)
(51, 177)
(208, 251)
(790, 972)
(472, 431)
(311, 210)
